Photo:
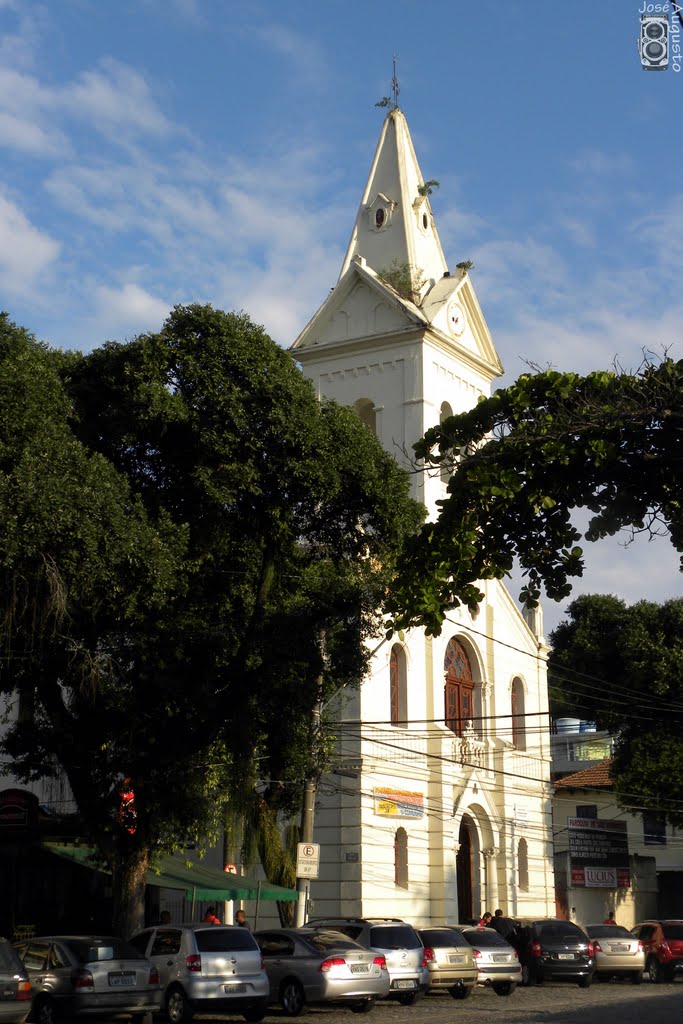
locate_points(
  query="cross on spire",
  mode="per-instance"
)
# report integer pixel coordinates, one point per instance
(394, 86)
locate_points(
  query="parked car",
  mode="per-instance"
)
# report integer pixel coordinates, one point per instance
(551, 948)
(15, 986)
(496, 960)
(92, 975)
(617, 952)
(449, 961)
(207, 969)
(397, 941)
(318, 965)
(663, 945)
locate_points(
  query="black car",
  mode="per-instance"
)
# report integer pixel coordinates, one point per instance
(15, 987)
(552, 948)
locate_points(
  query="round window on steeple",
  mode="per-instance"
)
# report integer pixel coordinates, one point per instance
(380, 217)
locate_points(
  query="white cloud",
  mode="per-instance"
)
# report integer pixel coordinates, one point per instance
(25, 251)
(129, 307)
(114, 96)
(597, 162)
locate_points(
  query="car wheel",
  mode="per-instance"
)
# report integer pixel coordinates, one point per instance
(178, 1009)
(504, 988)
(461, 991)
(526, 975)
(44, 1011)
(637, 978)
(407, 998)
(364, 1006)
(585, 981)
(654, 970)
(292, 997)
(256, 1012)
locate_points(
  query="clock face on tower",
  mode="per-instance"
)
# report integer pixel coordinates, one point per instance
(456, 319)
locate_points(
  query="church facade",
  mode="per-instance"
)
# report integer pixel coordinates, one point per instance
(439, 804)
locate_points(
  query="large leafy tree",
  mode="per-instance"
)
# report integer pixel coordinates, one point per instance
(622, 666)
(523, 461)
(275, 517)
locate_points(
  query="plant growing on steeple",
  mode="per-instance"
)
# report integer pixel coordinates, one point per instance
(427, 187)
(386, 101)
(465, 265)
(405, 279)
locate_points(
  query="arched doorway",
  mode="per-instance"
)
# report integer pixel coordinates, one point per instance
(463, 871)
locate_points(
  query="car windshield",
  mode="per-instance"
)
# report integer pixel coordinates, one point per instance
(324, 941)
(224, 940)
(485, 938)
(608, 931)
(673, 931)
(88, 951)
(394, 936)
(441, 937)
(560, 931)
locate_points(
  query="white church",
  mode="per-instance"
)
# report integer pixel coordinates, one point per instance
(439, 806)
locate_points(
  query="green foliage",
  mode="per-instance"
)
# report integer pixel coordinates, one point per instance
(405, 279)
(179, 516)
(427, 187)
(465, 265)
(386, 101)
(526, 458)
(622, 666)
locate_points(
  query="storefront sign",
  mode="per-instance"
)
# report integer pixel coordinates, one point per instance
(18, 810)
(395, 803)
(598, 851)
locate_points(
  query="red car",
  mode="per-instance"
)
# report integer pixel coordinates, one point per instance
(663, 945)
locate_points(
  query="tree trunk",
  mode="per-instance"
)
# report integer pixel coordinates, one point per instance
(129, 880)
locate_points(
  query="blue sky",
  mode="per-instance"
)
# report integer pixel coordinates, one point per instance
(163, 151)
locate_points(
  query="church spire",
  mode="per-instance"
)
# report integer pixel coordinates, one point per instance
(395, 227)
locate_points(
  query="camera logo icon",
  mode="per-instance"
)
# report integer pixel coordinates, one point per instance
(654, 42)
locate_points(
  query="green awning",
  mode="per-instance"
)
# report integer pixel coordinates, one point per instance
(198, 881)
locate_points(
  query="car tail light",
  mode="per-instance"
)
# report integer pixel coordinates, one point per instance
(665, 946)
(515, 954)
(194, 963)
(82, 979)
(24, 990)
(535, 948)
(381, 961)
(332, 961)
(641, 947)
(476, 953)
(153, 977)
(592, 946)
(428, 956)
(263, 963)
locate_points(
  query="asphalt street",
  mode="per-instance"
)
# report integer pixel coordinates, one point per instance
(613, 1002)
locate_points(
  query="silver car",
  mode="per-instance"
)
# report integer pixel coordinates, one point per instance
(318, 965)
(90, 975)
(398, 942)
(497, 961)
(207, 968)
(15, 987)
(617, 952)
(450, 960)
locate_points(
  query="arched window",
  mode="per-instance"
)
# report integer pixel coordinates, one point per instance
(366, 413)
(459, 689)
(401, 858)
(398, 686)
(517, 711)
(445, 468)
(523, 865)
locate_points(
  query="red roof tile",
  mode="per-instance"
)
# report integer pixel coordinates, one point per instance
(596, 777)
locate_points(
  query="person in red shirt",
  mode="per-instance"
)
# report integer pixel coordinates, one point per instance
(210, 916)
(485, 920)
(610, 918)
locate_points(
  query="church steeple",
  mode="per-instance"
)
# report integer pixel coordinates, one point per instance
(394, 225)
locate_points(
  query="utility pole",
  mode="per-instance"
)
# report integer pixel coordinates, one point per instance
(303, 885)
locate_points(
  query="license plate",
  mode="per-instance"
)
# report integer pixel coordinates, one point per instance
(456, 959)
(231, 989)
(619, 948)
(502, 958)
(565, 956)
(359, 968)
(126, 979)
(406, 983)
